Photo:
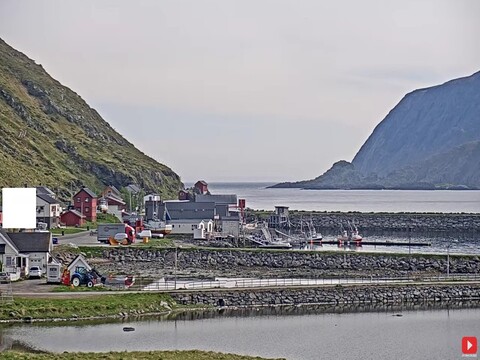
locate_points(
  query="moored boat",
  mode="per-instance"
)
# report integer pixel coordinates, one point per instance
(158, 228)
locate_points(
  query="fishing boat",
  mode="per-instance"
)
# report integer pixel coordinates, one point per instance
(158, 228)
(353, 236)
(276, 244)
(310, 235)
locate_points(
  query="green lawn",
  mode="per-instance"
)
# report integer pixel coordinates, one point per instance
(67, 231)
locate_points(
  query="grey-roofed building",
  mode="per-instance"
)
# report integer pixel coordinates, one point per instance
(186, 210)
(48, 210)
(37, 245)
(111, 190)
(133, 188)
(43, 190)
(13, 262)
(152, 207)
(229, 199)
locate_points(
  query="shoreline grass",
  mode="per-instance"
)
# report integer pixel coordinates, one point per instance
(139, 355)
(100, 305)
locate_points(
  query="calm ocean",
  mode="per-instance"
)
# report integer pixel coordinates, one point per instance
(258, 197)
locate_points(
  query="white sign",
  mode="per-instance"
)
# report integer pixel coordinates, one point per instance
(19, 208)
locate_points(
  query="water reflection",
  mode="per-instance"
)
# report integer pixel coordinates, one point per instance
(424, 331)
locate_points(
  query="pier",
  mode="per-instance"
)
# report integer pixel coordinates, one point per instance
(377, 243)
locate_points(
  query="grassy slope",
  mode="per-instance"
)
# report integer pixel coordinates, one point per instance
(93, 153)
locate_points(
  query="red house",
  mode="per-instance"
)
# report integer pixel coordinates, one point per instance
(85, 202)
(183, 195)
(201, 187)
(72, 218)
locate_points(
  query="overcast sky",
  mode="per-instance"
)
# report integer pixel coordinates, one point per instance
(246, 90)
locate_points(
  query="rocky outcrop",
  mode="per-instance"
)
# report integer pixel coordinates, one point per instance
(430, 140)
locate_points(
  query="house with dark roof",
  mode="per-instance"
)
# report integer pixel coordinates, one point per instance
(133, 188)
(43, 190)
(115, 206)
(36, 245)
(11, 260)
(72, 218)
(48, 210)
(85, 202)
(111, 190)
(185, 216)
(20, 251)
(219, 199)
(201, 187)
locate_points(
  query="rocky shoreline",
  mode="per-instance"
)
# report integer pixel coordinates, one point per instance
(201, 263)
(395, 222)
(332, 295)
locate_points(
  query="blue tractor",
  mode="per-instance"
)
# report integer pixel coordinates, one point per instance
(82, 276)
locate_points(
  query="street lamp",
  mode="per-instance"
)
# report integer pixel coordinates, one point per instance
(448, 256)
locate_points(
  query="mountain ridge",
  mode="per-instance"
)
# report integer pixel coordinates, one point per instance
(52, 137)
(429, 140)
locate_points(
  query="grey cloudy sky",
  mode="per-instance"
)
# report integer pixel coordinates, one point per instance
(251, 89)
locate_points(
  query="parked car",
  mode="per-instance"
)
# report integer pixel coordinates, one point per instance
(35, 271)
(4, 277)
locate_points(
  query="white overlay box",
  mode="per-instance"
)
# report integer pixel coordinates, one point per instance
(19, 208)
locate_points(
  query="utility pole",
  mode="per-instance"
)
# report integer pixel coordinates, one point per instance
(175, 270)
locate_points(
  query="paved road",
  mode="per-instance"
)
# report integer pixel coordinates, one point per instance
(82, 238)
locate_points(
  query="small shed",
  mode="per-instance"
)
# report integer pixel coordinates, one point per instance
(72, 218)
(78, 262)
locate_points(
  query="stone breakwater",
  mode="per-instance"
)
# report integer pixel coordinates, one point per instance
(393, 221)
(336, 295)
(309, 264)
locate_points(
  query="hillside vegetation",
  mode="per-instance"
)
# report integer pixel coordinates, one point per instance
(50, 136)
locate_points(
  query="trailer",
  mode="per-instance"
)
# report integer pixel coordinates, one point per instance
(54, 275)
(108, 232)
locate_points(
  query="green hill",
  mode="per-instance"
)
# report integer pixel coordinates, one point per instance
(50, 136)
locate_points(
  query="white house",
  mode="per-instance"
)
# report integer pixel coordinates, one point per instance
(37, 246)
(13, 262)
(48, 210)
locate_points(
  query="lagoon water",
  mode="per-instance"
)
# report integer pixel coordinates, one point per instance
(259, 197)
(420, 334)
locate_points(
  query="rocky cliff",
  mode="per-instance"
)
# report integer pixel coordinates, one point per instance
(50, 136)
(430, 140)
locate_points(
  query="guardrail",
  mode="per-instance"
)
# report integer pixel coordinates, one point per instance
(231, 283)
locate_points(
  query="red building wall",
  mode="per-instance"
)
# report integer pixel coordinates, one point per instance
(202, 187)
(70, 219)
(86, 205)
